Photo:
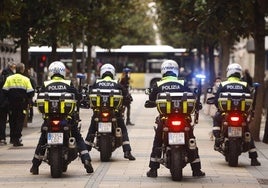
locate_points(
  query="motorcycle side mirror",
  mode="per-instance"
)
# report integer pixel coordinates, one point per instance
(148, 91)
(149, 104)
(209, 90)
(80, 75)
(88, 88)
(211, 100)
(38, 89)
(196, 90)
(256, 84)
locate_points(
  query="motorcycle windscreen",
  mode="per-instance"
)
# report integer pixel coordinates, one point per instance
(105, 127)
(176, 138)
(55, 138)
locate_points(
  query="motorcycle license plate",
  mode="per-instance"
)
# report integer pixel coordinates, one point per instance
(235, 131)
(105, 127)
(176, 138)
(55, 138)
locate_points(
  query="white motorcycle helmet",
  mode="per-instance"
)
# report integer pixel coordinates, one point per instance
(107, 68)
(234, 68)
(57, 67)
(169, 66)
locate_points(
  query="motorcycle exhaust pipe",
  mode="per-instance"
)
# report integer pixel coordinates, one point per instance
(72, 142)
(118, 132)
(247, 136)
(192, 143)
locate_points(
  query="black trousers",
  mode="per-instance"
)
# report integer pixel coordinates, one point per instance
(3, 121)
(16, 121)
(127, 109)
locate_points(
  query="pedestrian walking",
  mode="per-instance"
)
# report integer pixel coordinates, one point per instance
(18, 90)
(33, 80)
(210, 109)
(247, 77)
(125, 82)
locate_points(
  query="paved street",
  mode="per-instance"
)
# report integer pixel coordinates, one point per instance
(16, 162)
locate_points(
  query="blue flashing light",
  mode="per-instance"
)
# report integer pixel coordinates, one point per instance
(80, 75)
(200, 76)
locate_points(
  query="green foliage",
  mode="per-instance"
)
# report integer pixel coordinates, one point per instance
(114, 23)
(209, 20)
(9, 13)
(107, 23)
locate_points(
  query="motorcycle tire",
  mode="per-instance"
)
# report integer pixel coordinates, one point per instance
(233, 152)
(55, 161)
(105, 145)
(176, 163)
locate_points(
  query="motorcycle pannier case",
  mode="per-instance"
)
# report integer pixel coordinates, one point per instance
(105, 98)
(235, 102)
(56, 103)
(183, 102)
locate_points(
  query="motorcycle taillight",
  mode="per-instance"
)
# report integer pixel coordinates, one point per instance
(235, 119)
(55, 125)
(176, 123)
(105, 116)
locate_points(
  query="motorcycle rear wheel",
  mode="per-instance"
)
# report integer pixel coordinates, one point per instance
(55, 161)
(105, 145)
(233, 153)
(176, 166)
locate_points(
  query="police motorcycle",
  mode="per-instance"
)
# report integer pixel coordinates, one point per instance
(237, 111)
(57, 109)
(105, 104)
(61, 112)
(176, 111)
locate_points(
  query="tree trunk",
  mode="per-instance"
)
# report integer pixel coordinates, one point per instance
(259, 69)
(54, 51)
(74, 63)
(265, 136)
(225, 44)
(24, 38)
(89, 63)
(24, 47)
(211, 64)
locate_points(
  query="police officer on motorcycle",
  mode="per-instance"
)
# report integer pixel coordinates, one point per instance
(107, 81)
(57, 70)
(169, 83)
(232, 84)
